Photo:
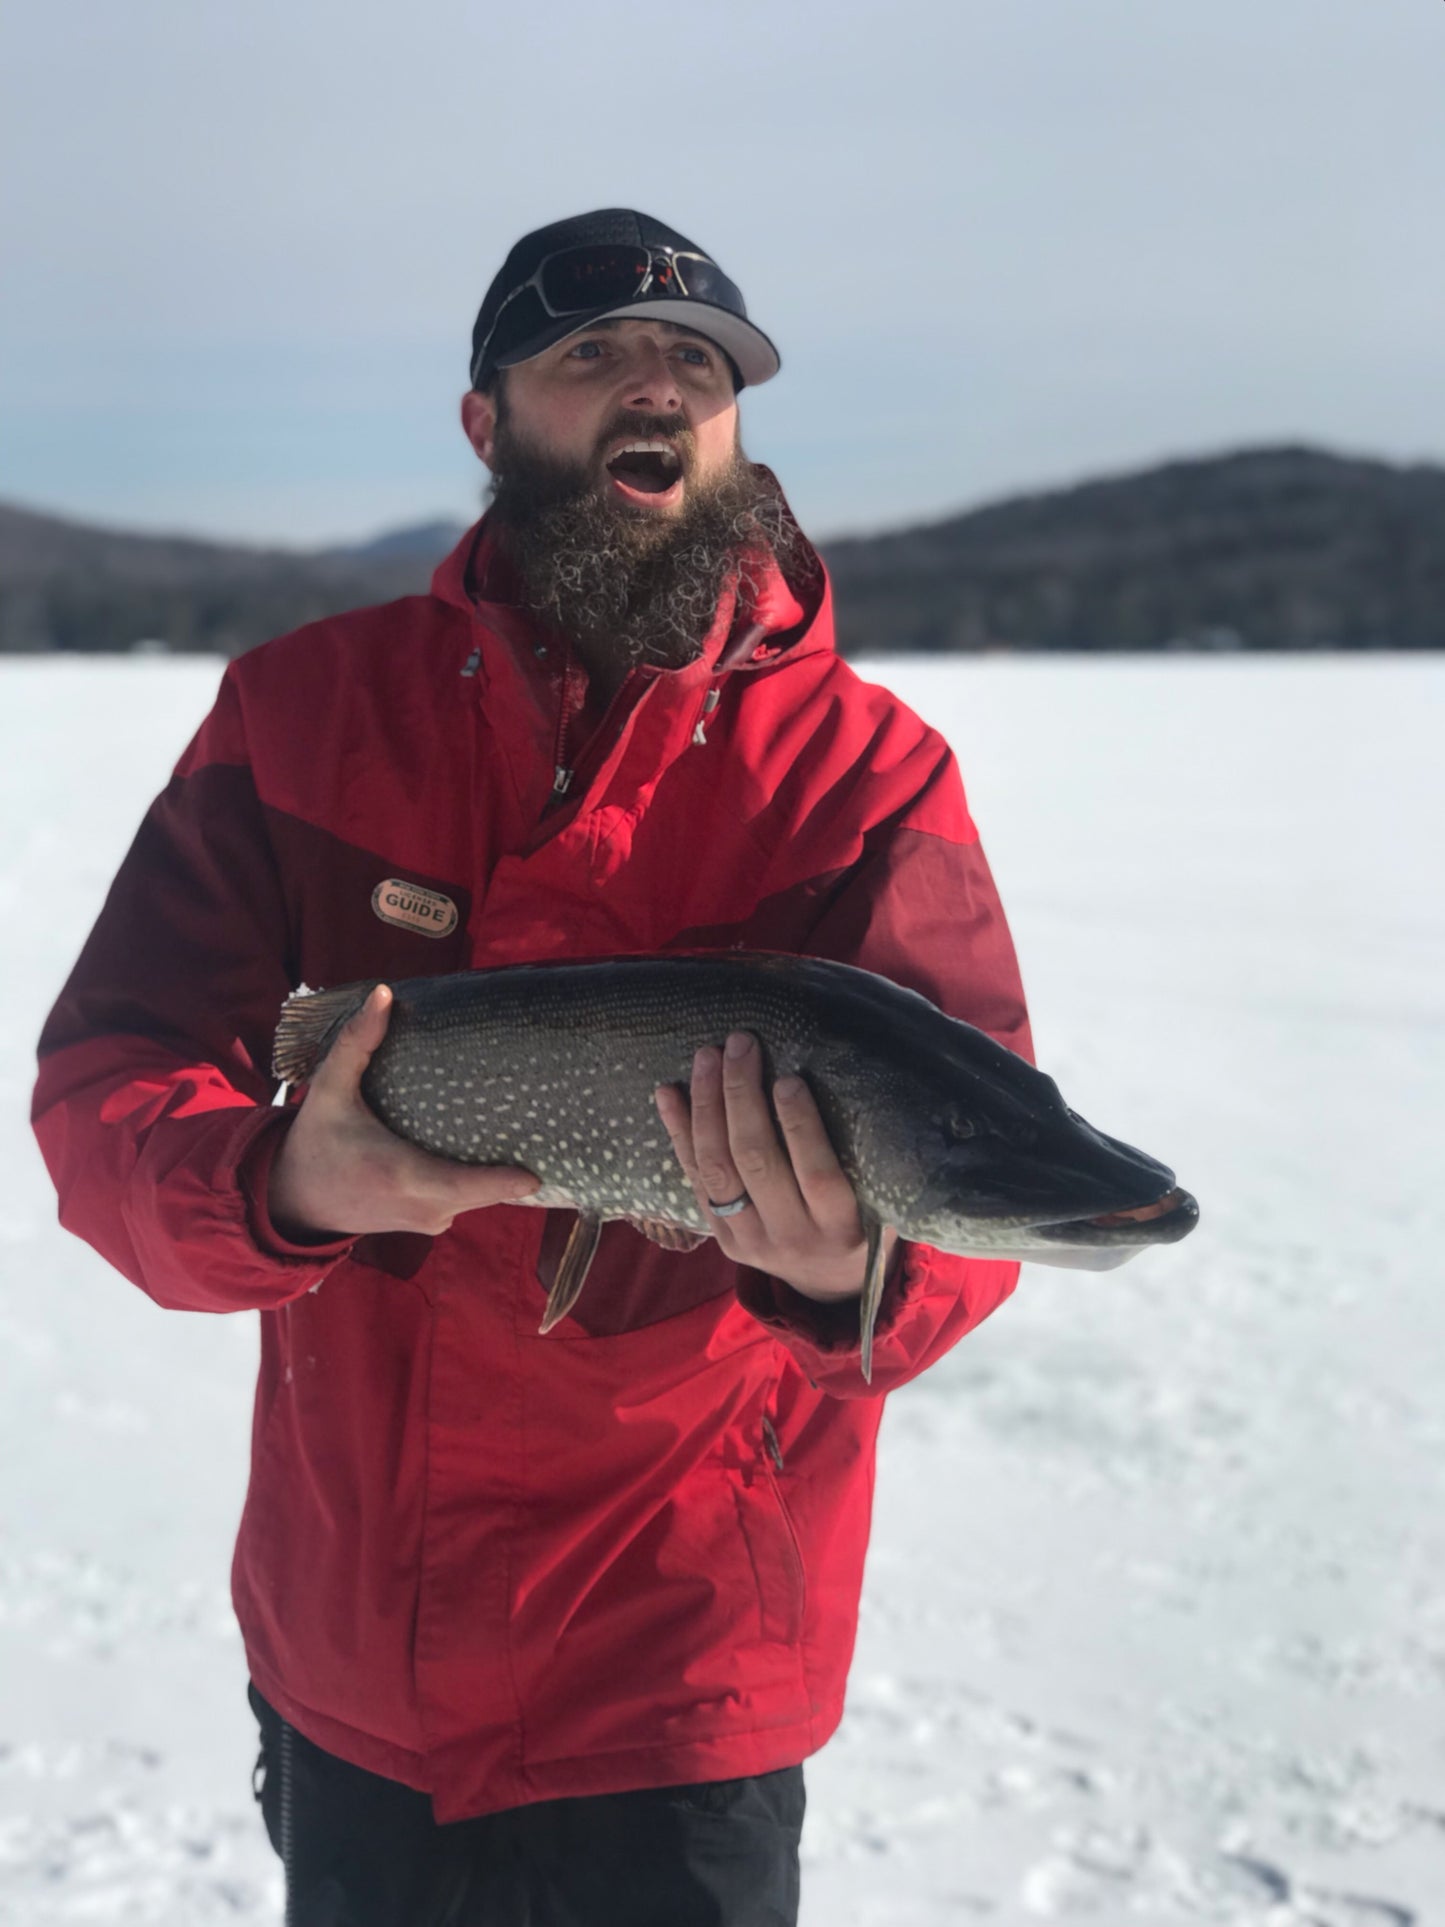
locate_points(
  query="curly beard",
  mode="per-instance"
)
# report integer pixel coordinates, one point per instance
(626, 585)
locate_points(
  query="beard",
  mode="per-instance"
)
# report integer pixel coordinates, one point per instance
(625, 584)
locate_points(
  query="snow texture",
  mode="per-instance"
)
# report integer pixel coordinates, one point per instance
(1154, 1626)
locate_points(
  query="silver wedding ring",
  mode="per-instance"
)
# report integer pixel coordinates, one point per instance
(731, 1209)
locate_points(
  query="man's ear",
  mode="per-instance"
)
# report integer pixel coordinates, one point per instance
(479, 423)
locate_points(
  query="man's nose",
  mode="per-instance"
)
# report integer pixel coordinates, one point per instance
(652, 385)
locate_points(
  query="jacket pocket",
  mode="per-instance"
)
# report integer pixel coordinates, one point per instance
(773, 1550)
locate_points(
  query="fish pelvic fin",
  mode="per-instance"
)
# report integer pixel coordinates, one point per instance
(672, 1237)
(308, 1025)
(572, 1271)
(872, 1295)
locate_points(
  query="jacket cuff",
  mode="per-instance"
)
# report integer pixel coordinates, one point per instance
(827, 1325)
(253, 1175)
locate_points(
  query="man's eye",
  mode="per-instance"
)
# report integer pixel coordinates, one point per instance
(587, 350)
(699, 357)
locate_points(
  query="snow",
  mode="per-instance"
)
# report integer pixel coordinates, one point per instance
(1154, 1628)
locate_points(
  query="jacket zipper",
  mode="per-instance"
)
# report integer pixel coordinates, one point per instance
(561, 773)
(564, 772)
(775, 1454)
(595, 748)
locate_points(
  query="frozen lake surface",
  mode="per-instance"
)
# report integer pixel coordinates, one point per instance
(1154, 1627)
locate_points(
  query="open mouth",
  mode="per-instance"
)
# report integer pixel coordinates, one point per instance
(1163, 1222)
(647, 471)
(1141, 1214)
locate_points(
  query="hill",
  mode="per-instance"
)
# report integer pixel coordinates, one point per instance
(65, 585)
(1280, 548)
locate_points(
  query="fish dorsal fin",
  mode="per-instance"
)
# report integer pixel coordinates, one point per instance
(672, 1237)
(572, 1271)
(872, 1294)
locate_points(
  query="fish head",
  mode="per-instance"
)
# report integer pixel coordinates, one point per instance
(984, 1157)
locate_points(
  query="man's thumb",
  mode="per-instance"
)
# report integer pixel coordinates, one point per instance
(356, 1040)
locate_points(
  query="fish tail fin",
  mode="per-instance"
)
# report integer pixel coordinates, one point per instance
(872, 1295)
(308, 1025)
(572, 1271)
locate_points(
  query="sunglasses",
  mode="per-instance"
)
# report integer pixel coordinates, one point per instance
(576, 280)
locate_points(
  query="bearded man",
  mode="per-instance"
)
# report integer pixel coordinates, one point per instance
(539, 1629)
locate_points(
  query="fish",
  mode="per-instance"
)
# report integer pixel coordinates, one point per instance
(945, 1134)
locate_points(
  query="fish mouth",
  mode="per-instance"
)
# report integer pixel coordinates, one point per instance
(1163, 1222)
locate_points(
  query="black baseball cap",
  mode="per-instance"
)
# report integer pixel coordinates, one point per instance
(561, 279)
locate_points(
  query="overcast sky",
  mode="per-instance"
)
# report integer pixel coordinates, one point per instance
(1000, 243)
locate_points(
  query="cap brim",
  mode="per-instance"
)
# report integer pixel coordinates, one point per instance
(756, 357)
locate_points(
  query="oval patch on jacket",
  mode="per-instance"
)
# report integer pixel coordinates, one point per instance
(414, 908)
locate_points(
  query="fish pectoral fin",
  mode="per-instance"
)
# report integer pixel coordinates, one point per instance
(572, 1271)
(672, 1237)
(872, 1295)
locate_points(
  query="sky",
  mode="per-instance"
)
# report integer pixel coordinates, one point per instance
(1001, 246)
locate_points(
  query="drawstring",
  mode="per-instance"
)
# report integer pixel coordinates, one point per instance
(710, 703)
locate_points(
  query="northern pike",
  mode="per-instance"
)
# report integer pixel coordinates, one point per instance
(944, 1134)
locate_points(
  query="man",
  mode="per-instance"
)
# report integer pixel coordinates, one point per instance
(540, 1629)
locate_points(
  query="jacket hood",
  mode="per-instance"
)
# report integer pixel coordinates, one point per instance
(774, 614)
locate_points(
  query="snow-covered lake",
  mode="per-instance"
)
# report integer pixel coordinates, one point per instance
(1154, 1629)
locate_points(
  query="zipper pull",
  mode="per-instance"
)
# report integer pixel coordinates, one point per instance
(473, 663)
(561, 781)
(770, 1439)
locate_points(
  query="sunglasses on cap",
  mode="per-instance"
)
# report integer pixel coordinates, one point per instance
(578, 280)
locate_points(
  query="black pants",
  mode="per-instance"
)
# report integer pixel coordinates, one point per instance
(362, 1851)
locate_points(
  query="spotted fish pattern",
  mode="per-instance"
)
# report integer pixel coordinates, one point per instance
(943, 1133)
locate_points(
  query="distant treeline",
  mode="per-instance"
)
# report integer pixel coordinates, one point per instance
(65, 586)
(1283, 548)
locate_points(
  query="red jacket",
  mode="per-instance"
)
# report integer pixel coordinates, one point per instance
(495, 1566)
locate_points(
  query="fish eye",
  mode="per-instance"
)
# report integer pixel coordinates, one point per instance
(957, 1128)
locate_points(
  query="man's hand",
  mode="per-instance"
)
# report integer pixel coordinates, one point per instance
(801, 1222)
(341, 1173)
